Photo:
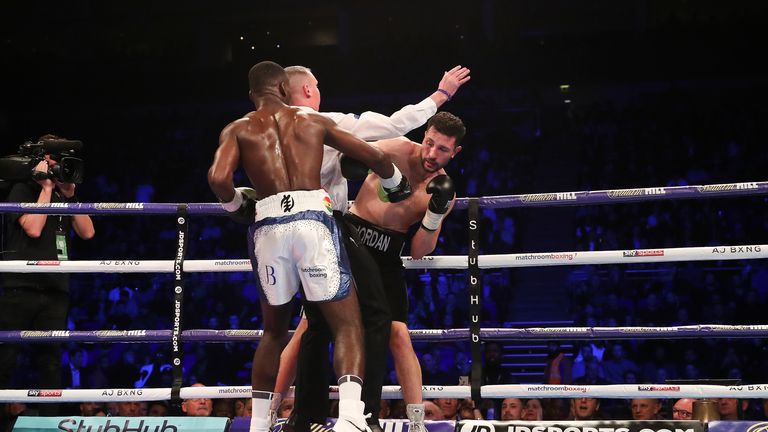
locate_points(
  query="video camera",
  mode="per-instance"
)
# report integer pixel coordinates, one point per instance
(21, 166)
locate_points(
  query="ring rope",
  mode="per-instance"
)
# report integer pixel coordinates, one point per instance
(443, 335)
(538, 259)
(623, 391)
(549, 199)
(460, 262)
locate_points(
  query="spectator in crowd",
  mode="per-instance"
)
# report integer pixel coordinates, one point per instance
(682, 409)
(583, 358)
(586, 409)
(559, 365)
(732, 408)
(532, 410)
(646, 409)
(88, 409)
(511, 409)
(128, 409)
(617, 364)
(198, 407)
(240, 407)
(463, 367)
(659, 361)
(157, 409)
(431, 372)
(449, 406)
(286, 408)
(432, 411)
(493, 372)
(10, 412)
(468, 411)
(223, 408)
(764, 410)
(74, 373)
(630, 376)
(593, 374)
(557, 409)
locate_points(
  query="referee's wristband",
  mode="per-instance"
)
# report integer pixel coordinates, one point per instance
(445, 92)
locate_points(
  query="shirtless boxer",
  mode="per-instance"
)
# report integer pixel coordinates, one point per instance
(382, 226)
(294, 238)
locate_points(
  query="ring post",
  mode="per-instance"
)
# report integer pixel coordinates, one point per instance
(476, 380)
(177, 344)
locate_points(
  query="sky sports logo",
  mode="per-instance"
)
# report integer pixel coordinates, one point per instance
(659, 388)
(44, 393)
(643, 253)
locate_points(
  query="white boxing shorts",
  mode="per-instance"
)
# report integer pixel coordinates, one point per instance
(295, 240)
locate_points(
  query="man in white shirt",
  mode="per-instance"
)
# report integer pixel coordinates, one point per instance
(304, 91)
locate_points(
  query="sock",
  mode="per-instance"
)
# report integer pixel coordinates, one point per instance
(350, 387)
(261, 404)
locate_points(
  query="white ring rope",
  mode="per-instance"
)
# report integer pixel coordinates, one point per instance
(618, 391)
(633, 256)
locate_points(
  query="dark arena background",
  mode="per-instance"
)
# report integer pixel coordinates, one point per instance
(565, 96)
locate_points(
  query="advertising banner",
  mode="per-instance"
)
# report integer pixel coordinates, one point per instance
(121, 424)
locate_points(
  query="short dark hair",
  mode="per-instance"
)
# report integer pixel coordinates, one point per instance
(448, 124)
(265, 74)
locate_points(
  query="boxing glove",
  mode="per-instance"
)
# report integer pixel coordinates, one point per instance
(442, 190)
(396, 187)
(353, 169)
(242, 208)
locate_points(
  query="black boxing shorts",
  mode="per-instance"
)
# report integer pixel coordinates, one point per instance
(385, 246)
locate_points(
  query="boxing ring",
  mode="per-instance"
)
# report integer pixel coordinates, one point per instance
(473, 263)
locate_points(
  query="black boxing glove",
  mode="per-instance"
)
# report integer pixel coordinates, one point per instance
(242, 208)
(353, 169)
(442, 189)
(397, 187)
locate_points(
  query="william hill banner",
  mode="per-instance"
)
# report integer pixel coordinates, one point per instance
(121, 424)
(586, 426)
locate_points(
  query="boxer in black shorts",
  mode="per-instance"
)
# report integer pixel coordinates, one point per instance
(385, 247)
(382, 226)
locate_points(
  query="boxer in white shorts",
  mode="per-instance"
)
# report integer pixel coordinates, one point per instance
(295, 239)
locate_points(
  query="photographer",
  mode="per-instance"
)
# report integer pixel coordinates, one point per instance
(38, 301)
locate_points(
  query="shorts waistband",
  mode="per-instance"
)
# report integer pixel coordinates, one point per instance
(293, 202)
(379, 240)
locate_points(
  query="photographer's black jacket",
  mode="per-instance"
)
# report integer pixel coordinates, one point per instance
(19, 246)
